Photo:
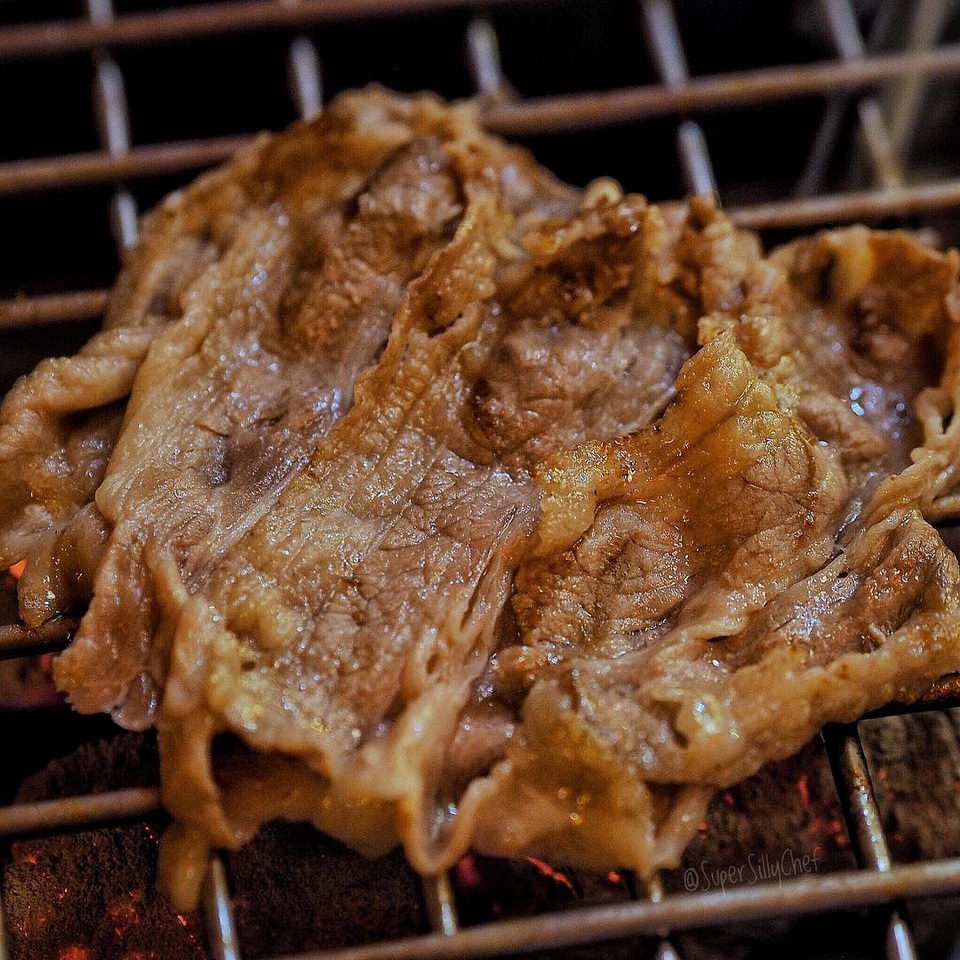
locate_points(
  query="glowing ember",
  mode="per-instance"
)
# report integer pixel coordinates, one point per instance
(884, 786)
(16, 571)
(74, 952)
(803, 788)
(24, 853)
(547, 871)
(830, 829)
(468, 876)
(124, 914)
(191, 935)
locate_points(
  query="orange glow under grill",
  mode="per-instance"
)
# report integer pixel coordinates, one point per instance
(552, 874)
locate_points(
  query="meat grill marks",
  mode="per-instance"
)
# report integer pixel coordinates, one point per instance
(484, 511)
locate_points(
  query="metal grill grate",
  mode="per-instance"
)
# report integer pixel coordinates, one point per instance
(854, 74)
(676, 95)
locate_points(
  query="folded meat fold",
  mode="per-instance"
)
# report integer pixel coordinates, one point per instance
(479, 510)
(705, 594)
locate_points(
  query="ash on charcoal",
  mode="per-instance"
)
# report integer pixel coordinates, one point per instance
(296, 889)
(783, 822)
(914, 764)
(91, 895)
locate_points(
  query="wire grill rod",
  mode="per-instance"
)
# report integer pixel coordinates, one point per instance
(807, 895)
(218, 913)
(865, 825)
(666, 48)
(569, 112)
(211, 19)
(113, 122)
(844, 30)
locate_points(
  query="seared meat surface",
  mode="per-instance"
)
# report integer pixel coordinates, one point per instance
(485, 511)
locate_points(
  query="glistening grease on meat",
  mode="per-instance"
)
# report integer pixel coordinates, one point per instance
(231, 399)
(477, 510)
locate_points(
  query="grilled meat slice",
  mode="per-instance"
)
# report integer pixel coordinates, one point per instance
(706, 593)
(482, 510)
(348, 627)
(697, 609)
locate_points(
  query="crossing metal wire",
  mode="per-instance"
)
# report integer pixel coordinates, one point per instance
(854, 73)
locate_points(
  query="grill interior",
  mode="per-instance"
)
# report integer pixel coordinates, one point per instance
(796, 115)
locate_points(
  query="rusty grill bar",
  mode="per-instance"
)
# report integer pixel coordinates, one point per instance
(856, 71)
(865, 826)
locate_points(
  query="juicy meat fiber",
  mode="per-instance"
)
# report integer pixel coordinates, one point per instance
(483, 511)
